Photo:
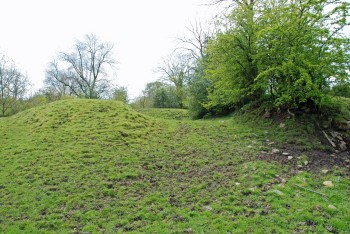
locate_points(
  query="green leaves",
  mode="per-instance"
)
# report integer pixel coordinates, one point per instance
(290, 50)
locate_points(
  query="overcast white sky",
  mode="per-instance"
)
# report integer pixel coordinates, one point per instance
(32, 32)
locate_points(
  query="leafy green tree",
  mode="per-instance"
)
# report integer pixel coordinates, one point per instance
(120, 94)
(151, 90)
(175, 70)
(301, 50)
(161, 99)
(159, 95)
(287, 51)
(198, 92)
(341, 89)
(166, 97)
(231, 66)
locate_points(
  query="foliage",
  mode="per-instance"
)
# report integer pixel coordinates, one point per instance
(308, 54)
(198, 93)
(341, 89)
(176, 70)
(231, 66)
(160, 95)
(336, 108)
(166, 97)
(37, 99)
(288, 50)
(152, 88)
(120, 94)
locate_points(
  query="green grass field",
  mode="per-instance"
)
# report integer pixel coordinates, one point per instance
(92, 166)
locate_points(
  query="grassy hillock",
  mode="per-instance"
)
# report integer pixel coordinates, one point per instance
(91, 166)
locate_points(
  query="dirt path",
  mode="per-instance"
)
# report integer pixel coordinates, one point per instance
(310, 160)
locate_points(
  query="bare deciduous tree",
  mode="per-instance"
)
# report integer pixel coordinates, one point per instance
(176, 69)
(84, 70)
(197, 41)
(13, 85)
(57, 83)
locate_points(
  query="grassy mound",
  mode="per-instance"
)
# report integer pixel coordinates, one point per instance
(81, 115)
(85, 166)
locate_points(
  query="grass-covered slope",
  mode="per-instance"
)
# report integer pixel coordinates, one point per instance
(83, 166)
(165, 113)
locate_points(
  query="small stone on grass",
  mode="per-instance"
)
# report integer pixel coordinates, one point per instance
(328, 184)
(277, 192)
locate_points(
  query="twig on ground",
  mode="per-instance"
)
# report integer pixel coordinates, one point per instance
(290, 113)
(329, 140)
(322, 194)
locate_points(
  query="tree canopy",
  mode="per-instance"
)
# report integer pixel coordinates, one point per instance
(290, 52)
